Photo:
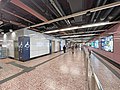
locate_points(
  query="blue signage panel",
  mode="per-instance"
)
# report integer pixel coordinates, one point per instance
(24, 48)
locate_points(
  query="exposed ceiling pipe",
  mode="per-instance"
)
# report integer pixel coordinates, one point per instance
(95, 12)
(55, 6)
(107, 14)
(95, 18)
(80, 13)
(17, 16)
(28, 9)
(15, 23)
(99, 11)
(50, 7)
(40, 8)
(44, 11)
(18, 24)
(62, 13)
(12, 22)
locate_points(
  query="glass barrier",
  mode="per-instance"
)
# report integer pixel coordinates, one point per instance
(91, 77)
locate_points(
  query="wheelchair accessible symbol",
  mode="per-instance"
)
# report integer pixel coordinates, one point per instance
(27, 45)
(20, 47)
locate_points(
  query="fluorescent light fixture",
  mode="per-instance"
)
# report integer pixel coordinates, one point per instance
(83, 32)
(83, 26)
(77, 35)
(95, 25)
(65, 29)
(71, 28)
(10, 30)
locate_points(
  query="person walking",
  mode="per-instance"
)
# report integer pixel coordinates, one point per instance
(89, 52)
(64, 49)
(72, 48)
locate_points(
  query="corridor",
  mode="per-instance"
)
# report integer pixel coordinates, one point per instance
(59, 72)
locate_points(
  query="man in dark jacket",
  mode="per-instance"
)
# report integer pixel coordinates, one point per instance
(64, 49)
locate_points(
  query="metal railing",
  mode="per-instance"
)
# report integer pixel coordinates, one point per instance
(92, 79)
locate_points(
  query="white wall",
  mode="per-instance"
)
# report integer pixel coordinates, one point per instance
(57, 45)
(38, 46)
(62, 44)
(39, 43)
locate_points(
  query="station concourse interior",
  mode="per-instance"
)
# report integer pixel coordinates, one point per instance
(59, 44)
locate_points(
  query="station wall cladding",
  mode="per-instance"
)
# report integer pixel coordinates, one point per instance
(115, 54)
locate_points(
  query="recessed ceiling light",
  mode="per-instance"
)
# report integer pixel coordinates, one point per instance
(2, 32)
(110, 17)
(10, 30)
(95, 20)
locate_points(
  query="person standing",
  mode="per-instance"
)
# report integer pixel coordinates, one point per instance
(64, 49)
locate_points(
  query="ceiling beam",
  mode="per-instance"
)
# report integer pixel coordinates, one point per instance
(28, 9)
(18, 24)
(79, 13)
(17, 16)
(15, 23)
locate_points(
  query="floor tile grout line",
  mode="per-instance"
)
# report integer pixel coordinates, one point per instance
(11, 77)
(17, 65)
(24, 71)
(48, 60)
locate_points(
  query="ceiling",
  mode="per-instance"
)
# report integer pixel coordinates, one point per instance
(17, 14)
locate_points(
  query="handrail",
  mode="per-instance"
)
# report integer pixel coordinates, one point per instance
(98, 82)
(94, 78)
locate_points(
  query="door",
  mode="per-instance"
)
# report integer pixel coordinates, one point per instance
(58, 46)
(53, 46)
(16, 52)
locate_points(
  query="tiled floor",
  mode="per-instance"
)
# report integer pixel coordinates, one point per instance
(65, 72)
(57, 71)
